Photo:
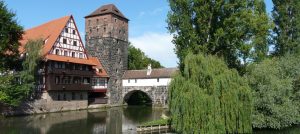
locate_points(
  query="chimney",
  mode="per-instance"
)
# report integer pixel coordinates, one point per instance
(149, 70)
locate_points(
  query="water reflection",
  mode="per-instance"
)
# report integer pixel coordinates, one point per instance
(116, 120)
(111, 121)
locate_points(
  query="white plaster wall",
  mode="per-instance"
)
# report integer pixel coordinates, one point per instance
(146, 82)
(78, 49)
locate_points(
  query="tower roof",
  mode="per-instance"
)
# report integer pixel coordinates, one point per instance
(107, 9)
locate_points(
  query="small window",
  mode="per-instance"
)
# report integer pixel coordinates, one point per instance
(104, 29)
(80, 67)
(119, 31)
(119, 51)
(97, 29)
(74, 43)
(66, 30)
(65, 53)
(74, 32)
(135, 80)
(58, 97)
(89, 22)
(63, 65)
(73, 54)
(115, 20)
(81, 96)
(97, 21)
(86, 80)
(80, 55)
(90, 30)
(73, 96)
(128, 80)
(157, 79)
(65, 96)
(57, 51)
(57, 80)
(64, 41)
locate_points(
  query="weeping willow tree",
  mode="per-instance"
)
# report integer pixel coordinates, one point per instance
(30, 65)
(209, 98)
(13, 92)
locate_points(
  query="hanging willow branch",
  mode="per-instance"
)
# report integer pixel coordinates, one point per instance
(209, 98)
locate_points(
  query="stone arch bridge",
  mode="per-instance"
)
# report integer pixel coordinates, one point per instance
(153, 82)
(157, 94)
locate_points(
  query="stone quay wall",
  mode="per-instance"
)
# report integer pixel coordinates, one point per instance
(49, 102)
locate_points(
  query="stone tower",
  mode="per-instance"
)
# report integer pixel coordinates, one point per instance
(106, 37)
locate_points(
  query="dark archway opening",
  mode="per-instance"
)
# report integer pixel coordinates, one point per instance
(138, 98)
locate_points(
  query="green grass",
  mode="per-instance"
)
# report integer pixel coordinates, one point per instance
(156, 122)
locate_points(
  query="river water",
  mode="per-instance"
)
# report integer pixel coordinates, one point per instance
(115, 120)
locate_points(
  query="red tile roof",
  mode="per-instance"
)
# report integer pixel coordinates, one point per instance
(69, 59)
(49, 31)
(102, 72)
(155, 73)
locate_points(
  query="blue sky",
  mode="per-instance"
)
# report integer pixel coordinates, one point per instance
(147, 26)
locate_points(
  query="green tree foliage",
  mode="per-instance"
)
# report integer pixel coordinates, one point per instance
(10, 34)
(286, 16)
(16, 88)
(138, 60)
(30, 64)
(209, 98)
(11, 92)
(232, 29)
(276, 92)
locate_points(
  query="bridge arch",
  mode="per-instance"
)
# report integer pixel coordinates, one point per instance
(137, 97)
(157, 94)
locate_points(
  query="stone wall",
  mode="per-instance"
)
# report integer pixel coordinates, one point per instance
(113, 54)
(49, 102)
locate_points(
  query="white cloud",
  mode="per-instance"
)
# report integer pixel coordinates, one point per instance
(157, 46)
(142, 14)
(153, 12)
(156, 11)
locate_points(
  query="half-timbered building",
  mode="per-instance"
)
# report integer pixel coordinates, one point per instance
(69, 77)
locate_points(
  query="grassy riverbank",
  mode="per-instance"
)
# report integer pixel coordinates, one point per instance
(156, 122)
